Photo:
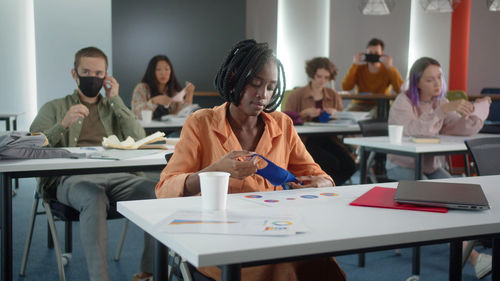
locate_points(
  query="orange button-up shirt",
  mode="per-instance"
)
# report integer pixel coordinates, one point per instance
(207, 136)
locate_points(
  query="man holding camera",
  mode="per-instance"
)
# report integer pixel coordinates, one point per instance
(372, 72)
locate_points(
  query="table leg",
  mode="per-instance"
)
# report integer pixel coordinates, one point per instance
(160, 262)
(231, 272)
(383, 109)
(6, 225)
(495, 273)
(455, 261)
(418, 167)
(362, 180)
(362, 165)
(466, 164)
(14, 124)
(415, 262)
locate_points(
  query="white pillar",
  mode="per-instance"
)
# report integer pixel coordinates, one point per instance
(303, 33)
(429, 36)
(17, 54)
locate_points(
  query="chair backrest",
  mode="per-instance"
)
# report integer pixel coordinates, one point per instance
(283, 101)
(456, 95)
(485, 154)
(373, 127)
(495, 105)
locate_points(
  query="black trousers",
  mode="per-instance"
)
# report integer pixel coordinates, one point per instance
(332, 156)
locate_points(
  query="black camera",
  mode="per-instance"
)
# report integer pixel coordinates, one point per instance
(372, 58)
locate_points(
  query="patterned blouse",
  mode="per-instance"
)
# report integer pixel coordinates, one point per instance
(141, 100)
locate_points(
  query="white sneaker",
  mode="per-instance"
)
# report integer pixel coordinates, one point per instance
(483, 266)
(413, 278)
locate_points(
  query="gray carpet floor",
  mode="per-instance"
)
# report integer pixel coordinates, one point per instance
(383, 265)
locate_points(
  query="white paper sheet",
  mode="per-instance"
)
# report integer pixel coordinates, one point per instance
(230, 222)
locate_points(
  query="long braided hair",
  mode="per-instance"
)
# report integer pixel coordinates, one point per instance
(243, 63)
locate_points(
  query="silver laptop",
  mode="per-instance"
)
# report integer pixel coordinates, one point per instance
(442, 194)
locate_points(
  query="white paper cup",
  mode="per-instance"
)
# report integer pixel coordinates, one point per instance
(214, 187)
(146, 115)
(395, 133)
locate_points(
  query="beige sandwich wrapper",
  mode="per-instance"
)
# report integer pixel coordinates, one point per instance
(156, 140)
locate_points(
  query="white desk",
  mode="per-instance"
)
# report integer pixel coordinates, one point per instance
(171, 125)
(336, 228)
(310, 128)
(448, 145)
(9, 118)
(10, 169)
(306, 129)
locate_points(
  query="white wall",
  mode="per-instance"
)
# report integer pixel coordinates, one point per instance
(484, 48)
(430, 36)
(62, 28)
(262, 21)
(351, 31)
(17, 74)
(303, 33)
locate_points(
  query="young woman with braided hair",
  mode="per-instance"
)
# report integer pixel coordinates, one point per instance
(224, 138)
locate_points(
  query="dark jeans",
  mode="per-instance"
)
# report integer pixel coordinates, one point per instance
(332, 156)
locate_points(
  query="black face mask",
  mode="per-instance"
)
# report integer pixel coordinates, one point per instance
(90, 85)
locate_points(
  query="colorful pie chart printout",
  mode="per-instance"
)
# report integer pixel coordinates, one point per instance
(231, 223)
(290, 197)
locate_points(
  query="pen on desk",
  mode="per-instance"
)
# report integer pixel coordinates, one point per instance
(88, 148)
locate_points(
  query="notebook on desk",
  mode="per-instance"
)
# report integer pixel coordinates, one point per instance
(442, 194)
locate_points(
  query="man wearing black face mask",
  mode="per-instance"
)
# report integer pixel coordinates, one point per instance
(83, 119)
(372, 72)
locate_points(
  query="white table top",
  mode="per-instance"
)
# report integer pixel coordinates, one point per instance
(332, 227)
(9, 115)
(26, 165)
(447, 143)
(308, 128)
(326, 128)
(171, 123)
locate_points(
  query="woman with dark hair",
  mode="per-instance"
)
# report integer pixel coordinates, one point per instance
(424, 111)
(310, 101)
(159, 90)
(251, 81)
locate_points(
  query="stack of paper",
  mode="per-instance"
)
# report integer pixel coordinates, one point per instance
(352, 115)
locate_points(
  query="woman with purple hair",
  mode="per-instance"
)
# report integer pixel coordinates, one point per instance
(424, 111)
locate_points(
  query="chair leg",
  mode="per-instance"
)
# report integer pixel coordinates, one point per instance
(29, 236)
(369, 164)
(68, 237)
(122, 240)
(57, 247)
(50, 242)
(186, 273)
(466, 251)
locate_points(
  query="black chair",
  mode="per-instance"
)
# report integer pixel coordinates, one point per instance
(58, 211)
(375, 128)
(492, 123)
(485, 154)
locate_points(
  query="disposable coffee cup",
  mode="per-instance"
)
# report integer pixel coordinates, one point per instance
(395, 133)
(146, 115)
(214, 187)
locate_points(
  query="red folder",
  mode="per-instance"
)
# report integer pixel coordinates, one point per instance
(383, 197)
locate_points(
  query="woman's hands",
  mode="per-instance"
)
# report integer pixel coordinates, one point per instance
(310, 113)
(161, 99)
(461, 106)
(236, 162)
(312, 181)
